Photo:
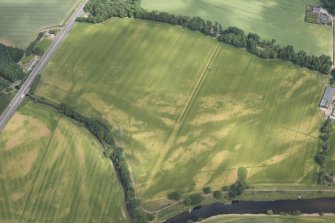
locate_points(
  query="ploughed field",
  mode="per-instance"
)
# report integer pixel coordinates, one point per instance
(188, 110)
(52, 170)
(282, 20)
(21, 20)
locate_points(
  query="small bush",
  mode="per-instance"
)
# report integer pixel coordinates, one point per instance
(242, 173)
(225, 188)
(194, 199)
(297, 212)
(174, 196)
(269, 212)
(217, 194)
(207, 190)
(150, 217)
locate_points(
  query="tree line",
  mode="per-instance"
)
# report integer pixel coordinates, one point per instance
(9, 69)
(321, 157)
(103, 133)
(101, 10)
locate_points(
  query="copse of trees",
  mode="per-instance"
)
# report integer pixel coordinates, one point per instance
(238, 188)
(329, 5)
(4, 101)
(194, 199)
(9, 69)
(101, 10)
(174, 196)
(4, 84)
(323, 149)
(32, 49)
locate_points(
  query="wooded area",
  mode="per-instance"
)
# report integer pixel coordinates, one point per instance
(329, 5)
(101, 10)
(9, 57)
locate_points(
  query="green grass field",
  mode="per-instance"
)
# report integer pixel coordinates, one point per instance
(191, 110)
(272, 219)
(51, 170)
(21, 20)
(282, 20)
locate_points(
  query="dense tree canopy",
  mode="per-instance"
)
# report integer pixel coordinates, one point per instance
(323, 152)
(329, 5)
(9, 69)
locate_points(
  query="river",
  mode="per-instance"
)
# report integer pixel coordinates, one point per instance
(308, 206)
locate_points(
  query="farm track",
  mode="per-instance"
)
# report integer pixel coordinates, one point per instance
(199, 84)
(172, 138)
(38, 172)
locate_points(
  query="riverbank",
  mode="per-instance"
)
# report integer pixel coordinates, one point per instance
(310, 218)
(282, 207)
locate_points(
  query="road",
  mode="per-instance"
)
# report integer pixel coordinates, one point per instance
(19, 97)
(324, 11)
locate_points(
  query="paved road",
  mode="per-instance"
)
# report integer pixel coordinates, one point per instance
(17, 100)
(324, 11)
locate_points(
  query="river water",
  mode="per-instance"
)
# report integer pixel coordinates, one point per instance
(310, 206)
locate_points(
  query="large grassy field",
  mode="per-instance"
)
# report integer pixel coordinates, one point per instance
(282, 20)
(21, 20)
(188, 110)
(272, 219)
(51, 170)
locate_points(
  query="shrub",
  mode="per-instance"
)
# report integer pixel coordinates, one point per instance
(269, 212)
(296, 212)
(225, 188)
(242, 173)
(238, 188)
(150, 217)
(217, 194)
(174, 196)
(207, 190)
(194, 199)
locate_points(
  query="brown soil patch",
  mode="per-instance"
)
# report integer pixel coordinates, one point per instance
(16, 196)
(21, 166)
(295, 87)
(278, 158)
(227, 112)
(81, 155)
(37, 130)
(5, 42)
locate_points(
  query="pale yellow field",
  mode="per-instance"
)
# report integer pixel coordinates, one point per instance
(54, 171)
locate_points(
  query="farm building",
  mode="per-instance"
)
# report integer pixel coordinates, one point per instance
(316, 10)
(332, 115)
(327, 97)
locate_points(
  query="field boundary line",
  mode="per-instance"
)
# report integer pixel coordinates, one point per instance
(39, 169)
(199, 84)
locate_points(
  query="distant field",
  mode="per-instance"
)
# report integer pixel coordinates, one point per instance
(282, 20)
(188, 110)
(53, 171)
(21, 20)
(272, 219)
